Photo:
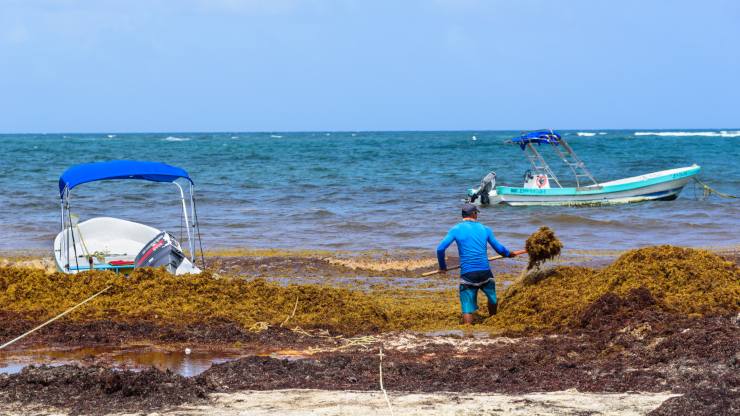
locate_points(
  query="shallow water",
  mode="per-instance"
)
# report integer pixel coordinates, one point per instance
(179, 362)
(363, 190)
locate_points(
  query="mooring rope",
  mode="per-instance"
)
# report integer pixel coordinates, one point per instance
(382, 388)
(55, 318)
(708, 190)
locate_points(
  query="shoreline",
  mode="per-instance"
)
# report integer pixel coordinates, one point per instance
(271, 322)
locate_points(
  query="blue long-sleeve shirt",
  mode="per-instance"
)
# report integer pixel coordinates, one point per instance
(471, 238)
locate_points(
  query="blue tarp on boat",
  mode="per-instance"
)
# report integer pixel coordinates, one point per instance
(120, 169)
(537, 137)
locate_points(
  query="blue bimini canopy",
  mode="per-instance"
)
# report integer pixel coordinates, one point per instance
(537, 137)
(119, 169)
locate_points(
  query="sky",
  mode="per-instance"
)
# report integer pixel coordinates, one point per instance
(351, 65)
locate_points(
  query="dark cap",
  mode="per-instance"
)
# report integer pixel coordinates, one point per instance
(468, 210)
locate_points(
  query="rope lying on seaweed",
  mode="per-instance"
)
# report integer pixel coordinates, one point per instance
(18, 338)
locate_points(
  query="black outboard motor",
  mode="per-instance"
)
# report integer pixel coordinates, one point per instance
(486, 184)
(163, 250)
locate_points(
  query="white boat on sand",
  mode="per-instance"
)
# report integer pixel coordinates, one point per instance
(663, 185)
(105, 243)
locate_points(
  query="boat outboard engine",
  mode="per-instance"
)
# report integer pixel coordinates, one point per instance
(163, 250)
(486, 185)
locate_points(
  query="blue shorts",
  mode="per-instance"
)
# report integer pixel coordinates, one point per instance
(469, 295)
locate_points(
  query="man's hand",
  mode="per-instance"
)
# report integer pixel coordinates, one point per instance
(512, 254)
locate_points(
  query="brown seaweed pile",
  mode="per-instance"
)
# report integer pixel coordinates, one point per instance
(688, 281)
(682, 280)
(542, 245)
(661, 352)
(658, 318)
(154, 298)
(98, 390)
(151, 295)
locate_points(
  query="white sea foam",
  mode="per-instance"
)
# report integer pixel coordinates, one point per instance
(110, 136)
(585, 134)
(723, 133)
(602, 133)
(276, 136)
(176, 139)
(234, 137)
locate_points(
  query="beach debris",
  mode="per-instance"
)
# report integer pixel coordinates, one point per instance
(688, 281)
(188, 351)
(541, 246)
(678, 280)
(682, 280)
(96, 390)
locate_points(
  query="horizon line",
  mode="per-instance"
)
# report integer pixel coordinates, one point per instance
(693, 129)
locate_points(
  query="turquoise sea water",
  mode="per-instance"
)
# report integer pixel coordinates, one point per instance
(364, 190)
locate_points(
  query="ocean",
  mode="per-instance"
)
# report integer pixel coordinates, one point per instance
(366, 190)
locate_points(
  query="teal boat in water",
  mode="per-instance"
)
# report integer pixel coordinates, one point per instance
(543, 187)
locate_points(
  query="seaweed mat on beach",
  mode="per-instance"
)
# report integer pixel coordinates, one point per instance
(684, 281)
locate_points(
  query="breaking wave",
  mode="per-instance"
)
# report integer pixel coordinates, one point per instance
(176, 139)
(723, 133)
(585, 134)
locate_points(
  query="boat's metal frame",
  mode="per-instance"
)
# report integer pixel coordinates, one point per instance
(569, 158)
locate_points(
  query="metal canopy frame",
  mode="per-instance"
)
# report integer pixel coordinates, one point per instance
(568, 157)
(192, 225)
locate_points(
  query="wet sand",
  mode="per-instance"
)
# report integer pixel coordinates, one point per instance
(329, 402)
(622, 345)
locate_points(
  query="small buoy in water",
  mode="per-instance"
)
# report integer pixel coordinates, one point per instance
(188, 351)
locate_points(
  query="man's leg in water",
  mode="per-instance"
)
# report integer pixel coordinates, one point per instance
(468, 302)
(490, 290)
(492, 308)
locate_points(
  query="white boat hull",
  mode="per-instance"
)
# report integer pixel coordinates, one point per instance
(116, 239)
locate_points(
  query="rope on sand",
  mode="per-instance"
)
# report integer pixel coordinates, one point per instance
(380, 368)
(55, 318)
(708, 190)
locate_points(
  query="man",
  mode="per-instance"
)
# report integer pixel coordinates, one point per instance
(472, 238)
